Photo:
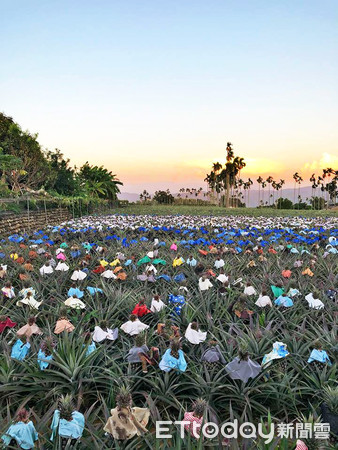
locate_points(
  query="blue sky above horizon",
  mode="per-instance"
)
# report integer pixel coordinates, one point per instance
(153, 90)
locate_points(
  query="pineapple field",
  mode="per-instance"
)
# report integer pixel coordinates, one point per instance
(74, 281)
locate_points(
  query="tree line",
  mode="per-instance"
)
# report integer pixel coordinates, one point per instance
(27, 168)
(226, 184)
(227, 188)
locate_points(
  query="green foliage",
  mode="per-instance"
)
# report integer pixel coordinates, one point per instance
(9, 165)
(330, 397)
(199, 407)
(24, 166)
(62, 180)
(25, 148)
(9, 162)
(221, 179)
(145, 196)
(99, 182)
(164, 197)
(312, 419)
(66, 407)
(123, 398)
(4, 190)
(301, 205)
(318, 203)
(94, 381)
(284, 203)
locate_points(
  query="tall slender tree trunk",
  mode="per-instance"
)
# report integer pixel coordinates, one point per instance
(227, 190)
(299, 196)
(259, 194)
(314, 198)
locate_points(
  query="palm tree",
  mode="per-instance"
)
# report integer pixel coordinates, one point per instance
(95, 188)
(298, 180)
(314, 186)
(234, 195)
(218, 186)
(321, 184)
(179, 195)
(213, 179)
(99, 182)
(225, 179)
(232, 168)
(275, 186)
(210, 179)
(259, 181)
(269, 180)
(246, 187)
(216, 167)
(332, 186)
(295, 177)
(144, 196)
(249, 183)
(327, 172)
(281, 184)
(240, 183)
(263, 187)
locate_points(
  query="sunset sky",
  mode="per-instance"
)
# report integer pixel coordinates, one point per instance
(153, 90)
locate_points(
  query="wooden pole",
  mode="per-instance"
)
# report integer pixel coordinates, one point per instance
(46, 215)
(28, 216)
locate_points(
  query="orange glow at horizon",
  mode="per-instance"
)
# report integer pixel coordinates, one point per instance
(194, 171)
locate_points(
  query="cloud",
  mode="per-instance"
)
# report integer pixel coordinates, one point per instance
(326, 160)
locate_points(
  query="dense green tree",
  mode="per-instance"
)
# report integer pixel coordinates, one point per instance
(318, 203)
(23, 145)
(164, 197)
(301, 205)
(284, 203)
(9, 165)
(63, 179)
(234, 164)
(99, 182)
(224, 177)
